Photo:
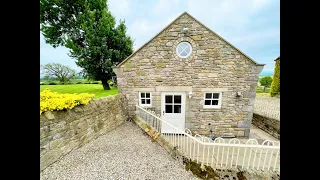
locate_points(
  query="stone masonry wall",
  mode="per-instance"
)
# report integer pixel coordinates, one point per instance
(63, 131)
(269, 125)
(213, 66)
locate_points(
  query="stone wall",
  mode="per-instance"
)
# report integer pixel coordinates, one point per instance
(269, 125)
(63, 131)
(213, 65)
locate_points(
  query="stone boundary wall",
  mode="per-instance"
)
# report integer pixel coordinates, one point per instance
(269, 125)
(63, 131)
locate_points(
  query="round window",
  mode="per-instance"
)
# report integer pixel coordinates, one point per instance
(184, 49)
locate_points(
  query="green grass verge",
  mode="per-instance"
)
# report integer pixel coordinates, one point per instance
(96, 89)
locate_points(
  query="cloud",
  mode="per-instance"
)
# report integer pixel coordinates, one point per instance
(166, 6)
(48, 54)
(219, 14)
(259, 4)
(119, 8)
(253, 26)
(252, 37)
(142, 30)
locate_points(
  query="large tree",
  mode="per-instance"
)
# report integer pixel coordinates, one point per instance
(89, 30)
(58, 71)
(266, 82)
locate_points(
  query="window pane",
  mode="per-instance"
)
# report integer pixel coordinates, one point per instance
(207, 102)
(183, 53)
(142, 95)
(143, 101)
(215, 96)
(148, 101)
(214, 102)
(168, 108)
(180, 49)
(183, 45)
(148, 95)
(177, 99)
(187, 49)
(169, 99)
(208, 95)
(177, 108)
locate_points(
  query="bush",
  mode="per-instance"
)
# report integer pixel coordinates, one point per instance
(52, 101)
(65, 83)
(94, 82)
(52, 83)
(42, 83)
(79, 82)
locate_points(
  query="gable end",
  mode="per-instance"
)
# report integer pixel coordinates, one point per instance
(257, 64)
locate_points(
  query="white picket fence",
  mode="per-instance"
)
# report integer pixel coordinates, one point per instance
(267, 108)
(220, 153)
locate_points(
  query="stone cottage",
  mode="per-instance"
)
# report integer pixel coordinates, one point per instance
(194, 78)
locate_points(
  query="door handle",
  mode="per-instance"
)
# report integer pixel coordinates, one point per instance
(162, 112)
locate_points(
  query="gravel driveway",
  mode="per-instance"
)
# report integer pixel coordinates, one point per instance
(124, 153)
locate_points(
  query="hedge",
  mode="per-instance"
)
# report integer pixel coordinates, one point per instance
(275, 86)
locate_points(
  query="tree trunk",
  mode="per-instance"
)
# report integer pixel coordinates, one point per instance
(105, 84)
(264, 88)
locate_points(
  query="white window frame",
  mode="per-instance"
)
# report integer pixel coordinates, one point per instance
(183, 50)
(146, 105)
(212, 106)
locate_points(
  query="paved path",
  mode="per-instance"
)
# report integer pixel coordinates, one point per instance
(257, 133)
(124, 153)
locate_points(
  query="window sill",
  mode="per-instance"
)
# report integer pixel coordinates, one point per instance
(210, 109)
(145, 106)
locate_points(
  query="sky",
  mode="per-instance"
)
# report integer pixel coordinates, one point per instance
(253, 26)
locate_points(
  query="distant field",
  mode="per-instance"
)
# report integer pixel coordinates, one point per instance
(96, 89)
(260, 90)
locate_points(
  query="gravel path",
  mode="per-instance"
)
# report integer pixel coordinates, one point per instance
(124, 153)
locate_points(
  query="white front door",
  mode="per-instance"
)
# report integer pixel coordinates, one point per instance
(173, 106)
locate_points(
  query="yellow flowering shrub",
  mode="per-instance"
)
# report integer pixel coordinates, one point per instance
(52, 101)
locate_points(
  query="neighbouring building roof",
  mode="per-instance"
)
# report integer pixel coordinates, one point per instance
(200, 24)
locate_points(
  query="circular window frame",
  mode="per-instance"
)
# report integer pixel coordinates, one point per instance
(193, 52)
(190, 52)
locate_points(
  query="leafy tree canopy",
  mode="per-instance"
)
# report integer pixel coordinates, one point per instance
(266, 81)
(58, 71)
(89, 31)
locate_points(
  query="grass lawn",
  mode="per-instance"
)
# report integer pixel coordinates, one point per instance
(260, 90)
(96, 89)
